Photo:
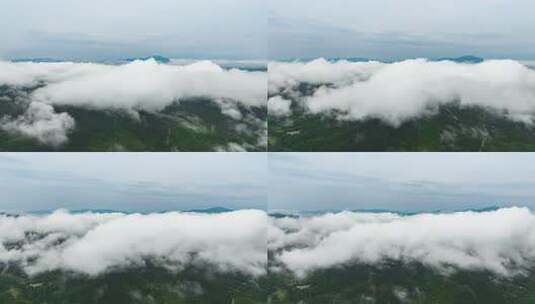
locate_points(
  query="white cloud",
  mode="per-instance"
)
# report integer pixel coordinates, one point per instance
(279, 106)
(40, 121)
(320, 71)
(403, 90)
(231, 147)
(30, 73)
(137, 85)
(501, 241)
(95, 243)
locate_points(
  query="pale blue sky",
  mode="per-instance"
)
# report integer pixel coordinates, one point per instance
(393, 29)
(297, 181)
(410, 182)
(118, 29)
(132, 181)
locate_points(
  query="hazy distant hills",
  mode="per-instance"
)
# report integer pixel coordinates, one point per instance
(463, 59)
(460, 59)
(37, 59)
(209, 210)
(275, 214)
(296, 214)
(158, 58)
(246, 65)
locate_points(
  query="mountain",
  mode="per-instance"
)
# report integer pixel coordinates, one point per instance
(282, 215)
(135, 285)
(38, 59)
(400, 283)
(463, 59)
(96, 211)
(190, 124)
(448, 127)
(406, 213)
(350, 59)
(388, 283)
(157, 58)
(211, 210)
(383, 211)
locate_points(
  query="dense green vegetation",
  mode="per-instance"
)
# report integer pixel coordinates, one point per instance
(390, 283)
(192, 125)
(142, 285)
(450, 127)
(189, 125)
(395, 283)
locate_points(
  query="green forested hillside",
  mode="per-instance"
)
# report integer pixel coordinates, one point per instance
(195, 124)
(395, 283)
(142, 285)
(450, 128)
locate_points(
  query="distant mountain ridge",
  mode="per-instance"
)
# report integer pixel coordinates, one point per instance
(209, 210)
(295, 214)
(163, 59)
(462, 59)
(38, 60)
(157, 58)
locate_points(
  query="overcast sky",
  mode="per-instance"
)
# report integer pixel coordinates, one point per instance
(380, 29)
(400, 181)
(393, 29)
(297, 181)
(107, 30)
(132, 181)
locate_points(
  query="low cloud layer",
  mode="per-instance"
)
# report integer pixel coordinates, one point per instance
(96, 243)
(501, 241)
(139, 85)
(396, 92)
